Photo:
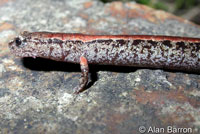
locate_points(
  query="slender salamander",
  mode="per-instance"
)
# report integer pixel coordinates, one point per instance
(166, 52)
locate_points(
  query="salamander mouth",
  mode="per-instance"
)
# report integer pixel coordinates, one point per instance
(14, 48)
(11, 45)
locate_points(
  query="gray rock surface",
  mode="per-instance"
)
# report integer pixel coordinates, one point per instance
(36, 95)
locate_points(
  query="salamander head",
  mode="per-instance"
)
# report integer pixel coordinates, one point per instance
(24, 45)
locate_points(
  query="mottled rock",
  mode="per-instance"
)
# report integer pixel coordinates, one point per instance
(36, 95)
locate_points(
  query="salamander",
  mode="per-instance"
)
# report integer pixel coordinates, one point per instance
(150, 51)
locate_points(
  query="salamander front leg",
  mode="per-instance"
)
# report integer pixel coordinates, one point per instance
(84, 75)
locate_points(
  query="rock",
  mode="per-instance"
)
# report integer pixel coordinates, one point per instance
(36, 94)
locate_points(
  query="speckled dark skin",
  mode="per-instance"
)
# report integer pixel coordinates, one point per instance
(179, 53)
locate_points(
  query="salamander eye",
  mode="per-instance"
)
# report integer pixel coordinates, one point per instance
(18, 42)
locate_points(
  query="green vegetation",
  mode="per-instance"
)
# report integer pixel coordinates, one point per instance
(106, 1)
(153, 4)
(162, 4)
(185, 4)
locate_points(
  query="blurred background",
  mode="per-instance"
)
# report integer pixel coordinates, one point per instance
(188, 9)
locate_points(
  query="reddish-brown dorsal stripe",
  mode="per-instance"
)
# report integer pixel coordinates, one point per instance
(85, 38)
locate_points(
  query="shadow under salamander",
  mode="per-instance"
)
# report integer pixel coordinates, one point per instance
(41, 64)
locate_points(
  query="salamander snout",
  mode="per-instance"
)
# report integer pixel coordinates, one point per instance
(16, 43)
(11, 44)
(23, 47)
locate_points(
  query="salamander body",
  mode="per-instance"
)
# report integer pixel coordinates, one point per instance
(167, 52)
